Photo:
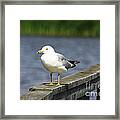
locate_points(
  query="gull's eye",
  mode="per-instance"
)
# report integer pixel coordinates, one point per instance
(46, 48)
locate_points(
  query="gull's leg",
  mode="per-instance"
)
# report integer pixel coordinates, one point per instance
(58, 79)
(51, 79)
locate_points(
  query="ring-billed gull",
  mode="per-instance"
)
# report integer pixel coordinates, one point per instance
(55, 62)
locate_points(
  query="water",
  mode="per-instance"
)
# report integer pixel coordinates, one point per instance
(87, 51)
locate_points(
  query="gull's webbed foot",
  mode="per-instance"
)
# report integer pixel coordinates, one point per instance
(58, 84)
(51, 83)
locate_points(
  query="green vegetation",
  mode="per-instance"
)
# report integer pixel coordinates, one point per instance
(68, 28)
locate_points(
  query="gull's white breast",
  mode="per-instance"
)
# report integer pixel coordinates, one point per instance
(51, 63)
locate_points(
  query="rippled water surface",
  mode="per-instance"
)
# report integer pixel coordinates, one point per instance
(87, 51)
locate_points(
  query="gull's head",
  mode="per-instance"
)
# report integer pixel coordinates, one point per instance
(46, 49)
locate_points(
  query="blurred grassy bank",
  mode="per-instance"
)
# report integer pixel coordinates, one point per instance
(67, 28)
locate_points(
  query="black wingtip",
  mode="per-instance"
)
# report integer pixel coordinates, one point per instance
(74, 62)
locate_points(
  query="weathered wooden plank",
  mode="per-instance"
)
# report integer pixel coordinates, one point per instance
(73, 84)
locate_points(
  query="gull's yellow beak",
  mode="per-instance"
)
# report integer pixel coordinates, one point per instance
(40, 51)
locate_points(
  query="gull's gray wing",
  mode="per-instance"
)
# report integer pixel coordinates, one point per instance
(65, 62)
